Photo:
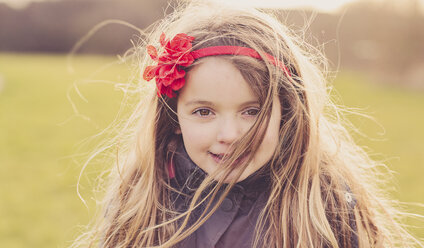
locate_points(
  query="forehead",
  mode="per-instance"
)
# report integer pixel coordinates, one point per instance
(216, 79)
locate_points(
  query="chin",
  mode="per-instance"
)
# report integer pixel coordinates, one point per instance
(233, 175)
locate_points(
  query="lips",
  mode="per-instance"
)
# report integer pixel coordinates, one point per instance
(218, 157)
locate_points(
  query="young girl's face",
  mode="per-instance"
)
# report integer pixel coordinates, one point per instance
(216, 107)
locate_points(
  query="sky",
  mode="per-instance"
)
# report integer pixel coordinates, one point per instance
(321, 5)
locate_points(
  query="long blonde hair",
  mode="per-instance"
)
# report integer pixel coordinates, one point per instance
(315, 163)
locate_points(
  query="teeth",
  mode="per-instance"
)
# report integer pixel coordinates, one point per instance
(219, 155)
(216, 155)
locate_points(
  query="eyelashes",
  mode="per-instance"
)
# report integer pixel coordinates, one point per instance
(254, 110)
(205, 112)
(202, 112)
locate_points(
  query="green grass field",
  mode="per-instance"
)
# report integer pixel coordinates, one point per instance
(40, 137)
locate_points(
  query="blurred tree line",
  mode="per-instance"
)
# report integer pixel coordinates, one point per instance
(376, 37)
(55, 26)
(364, 36)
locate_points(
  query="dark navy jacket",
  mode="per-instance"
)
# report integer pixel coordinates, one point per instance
(233, 223)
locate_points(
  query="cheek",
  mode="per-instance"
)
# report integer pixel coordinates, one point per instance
(272, 139)
(195, 135)
(272, 136)
(269, 143)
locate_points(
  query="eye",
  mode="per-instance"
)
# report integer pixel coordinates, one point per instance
(252, 111)
(202, 112)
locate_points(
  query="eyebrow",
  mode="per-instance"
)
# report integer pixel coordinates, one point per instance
(202, 102)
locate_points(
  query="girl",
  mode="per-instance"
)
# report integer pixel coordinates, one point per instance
(234, 144)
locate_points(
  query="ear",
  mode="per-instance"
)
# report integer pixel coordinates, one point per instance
(177, 130)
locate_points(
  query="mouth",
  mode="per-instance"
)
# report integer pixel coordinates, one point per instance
(218, 158)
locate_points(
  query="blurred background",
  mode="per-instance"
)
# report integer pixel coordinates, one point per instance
(50, 116)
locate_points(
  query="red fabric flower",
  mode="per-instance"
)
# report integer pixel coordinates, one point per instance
(168, 72)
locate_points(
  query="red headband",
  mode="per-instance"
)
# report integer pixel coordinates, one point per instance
(170, 77)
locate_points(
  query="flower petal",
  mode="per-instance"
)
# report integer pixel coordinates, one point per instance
(169, 92)
(149, 73)
(178, 73)
(151, 50)
(178, 84)
(169, 76)
(166, 70)
(163, 40)
(186, 60)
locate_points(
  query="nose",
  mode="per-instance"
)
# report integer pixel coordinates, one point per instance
(229, 130)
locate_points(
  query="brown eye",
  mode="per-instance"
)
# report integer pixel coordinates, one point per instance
(202, 112)
(252, 111)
